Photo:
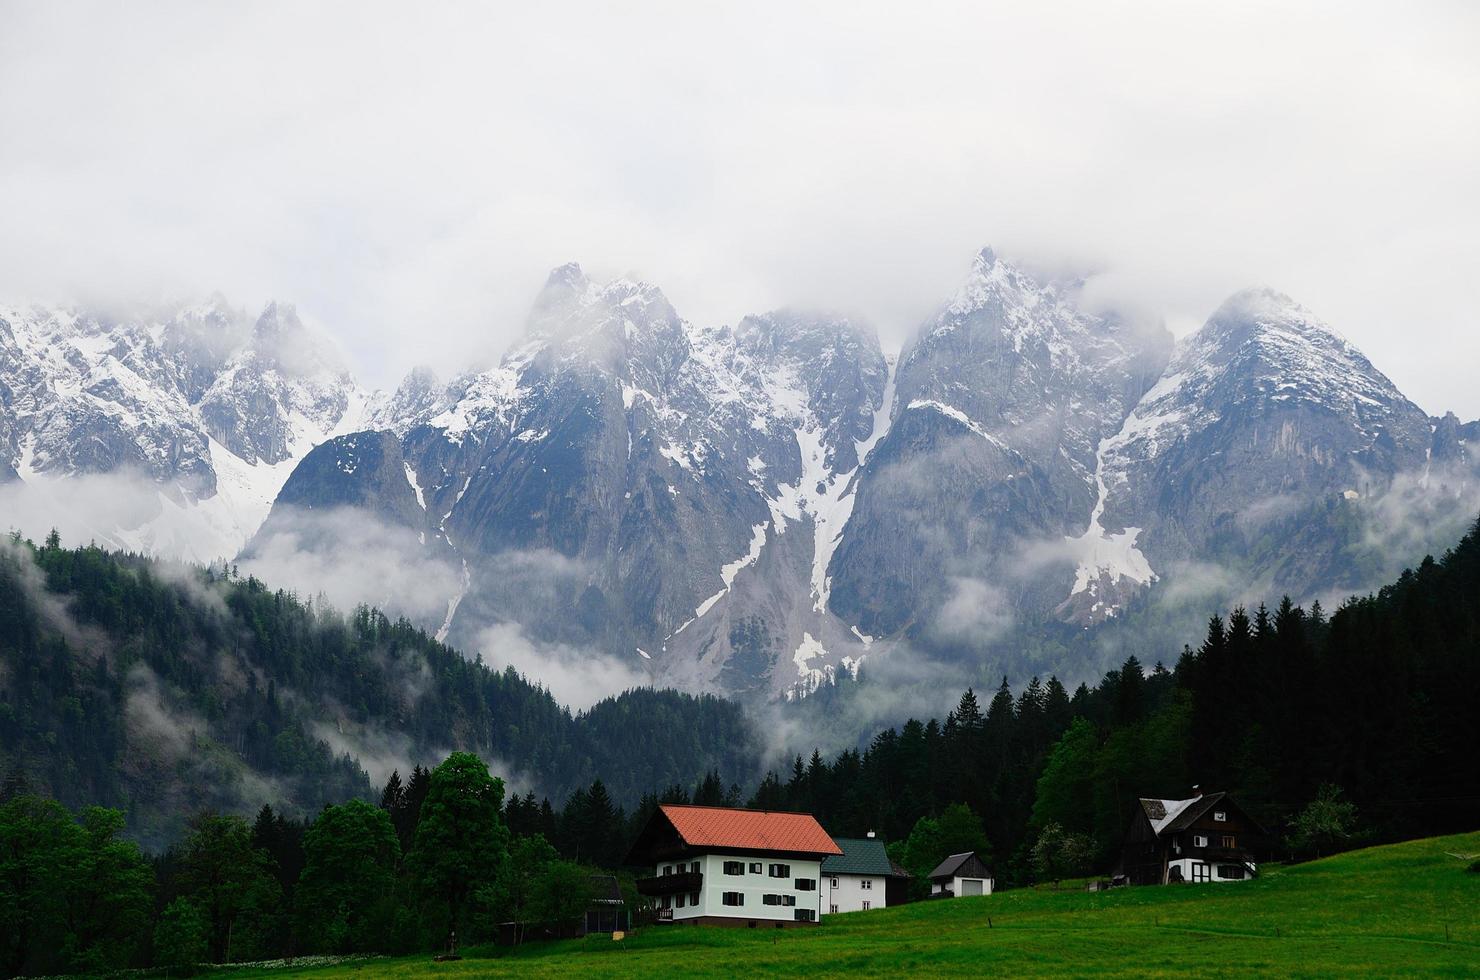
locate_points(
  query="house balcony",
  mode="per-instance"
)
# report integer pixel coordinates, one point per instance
(1233, 855)
(683, 881)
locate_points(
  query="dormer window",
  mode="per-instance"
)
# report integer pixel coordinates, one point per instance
(1220, 815)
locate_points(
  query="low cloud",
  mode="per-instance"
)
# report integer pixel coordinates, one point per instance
(191, 581)
(1421, 513)
(162, 731)
(350, 556)
(1189, 583)
(577, 677)
(975, 612)
(88, 507)
(377, 750)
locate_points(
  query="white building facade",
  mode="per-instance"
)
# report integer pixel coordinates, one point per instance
(856, 880)
(726, 866)
(765, 888)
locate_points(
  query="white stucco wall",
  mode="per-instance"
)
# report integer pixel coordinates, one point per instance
(957, 886)
(753, 886)
(851, 892)
(1186, 864)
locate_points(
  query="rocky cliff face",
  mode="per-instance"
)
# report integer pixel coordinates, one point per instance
(1264, 441)
(628, 480)
(990, 466)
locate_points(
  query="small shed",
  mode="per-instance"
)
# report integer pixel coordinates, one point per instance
(961, 875)
(607, 911)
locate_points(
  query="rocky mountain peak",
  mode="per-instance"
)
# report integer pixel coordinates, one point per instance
(995, 285)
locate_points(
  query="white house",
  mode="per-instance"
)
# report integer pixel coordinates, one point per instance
(857, 879)
(726, 866)
(961, 875)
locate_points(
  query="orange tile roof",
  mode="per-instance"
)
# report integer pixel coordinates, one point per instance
(751, 830)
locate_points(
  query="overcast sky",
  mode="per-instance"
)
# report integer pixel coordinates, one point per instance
(408, 173)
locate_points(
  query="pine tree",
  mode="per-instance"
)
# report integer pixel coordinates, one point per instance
(968, 715)
(770, 794)
(393, 797)
(1130, 694)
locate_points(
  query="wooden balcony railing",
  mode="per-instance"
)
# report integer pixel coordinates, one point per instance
(684, 881)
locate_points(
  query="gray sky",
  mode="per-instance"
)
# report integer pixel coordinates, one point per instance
(408, 173)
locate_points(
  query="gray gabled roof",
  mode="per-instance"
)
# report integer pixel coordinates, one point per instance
(952, 864)
(1163, 812)
(861, 856)
(1170, 816)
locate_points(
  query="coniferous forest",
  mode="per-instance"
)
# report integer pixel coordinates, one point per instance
(1361, 726)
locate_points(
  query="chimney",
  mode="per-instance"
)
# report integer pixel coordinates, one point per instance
(870, 835)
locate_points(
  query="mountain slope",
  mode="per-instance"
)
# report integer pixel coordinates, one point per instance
(161, 689)
(628, 481)
(1002, 401)
(1268, 424)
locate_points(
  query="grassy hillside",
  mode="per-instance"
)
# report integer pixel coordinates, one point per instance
(1376, 912)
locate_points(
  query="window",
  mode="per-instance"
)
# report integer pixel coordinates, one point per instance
(1220, 815)
(806, 915)
(678, 902)
(834, 882)
(668, 901)
(694, 899)
(1199, 840)
(734, 867)
(694, 867)
(780, 871)
(865, 906)
(832, 910)
(866, 884)
(770, 899)
(1233, 872)
(1226, 841)
(668, 869)
(1200, 872)
(733, 898)
(806, 884)
(755, 867)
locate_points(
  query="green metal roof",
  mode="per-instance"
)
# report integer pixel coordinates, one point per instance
(860, 857)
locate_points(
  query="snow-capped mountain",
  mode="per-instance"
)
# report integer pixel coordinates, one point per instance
(1268, 436)
(629, 479)
(988, 477)
(757, 509)
(186, 422)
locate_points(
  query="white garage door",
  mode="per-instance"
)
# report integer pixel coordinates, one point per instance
(971, 886)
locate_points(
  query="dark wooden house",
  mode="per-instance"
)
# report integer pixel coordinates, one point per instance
(1207, 837)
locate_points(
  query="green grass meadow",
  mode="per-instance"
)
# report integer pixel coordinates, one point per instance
(1382, 912)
